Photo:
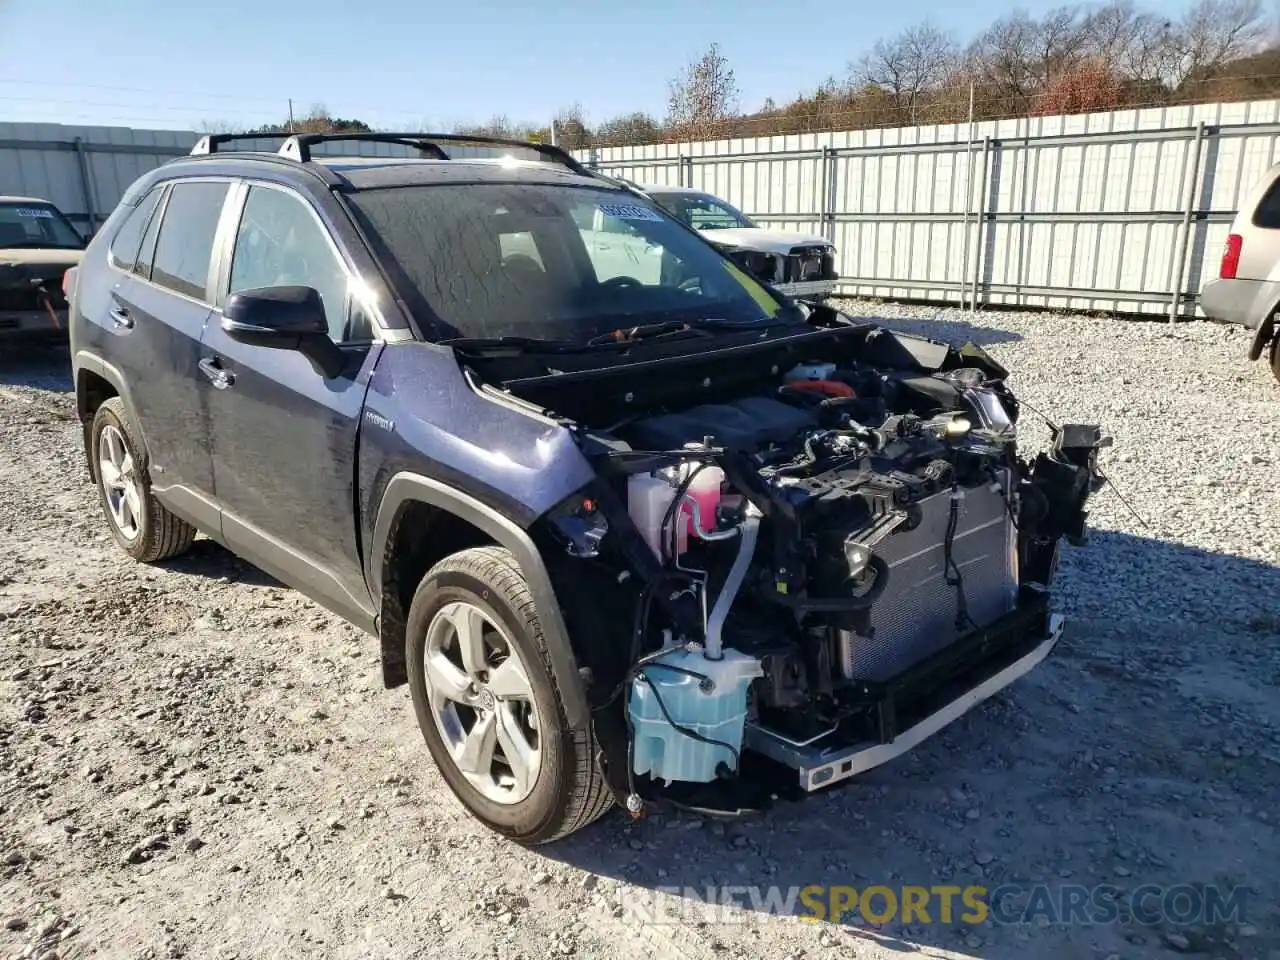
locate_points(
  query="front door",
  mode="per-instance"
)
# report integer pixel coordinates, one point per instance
(284, 435)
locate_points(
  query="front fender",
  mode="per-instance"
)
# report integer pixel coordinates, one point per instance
(405, 487)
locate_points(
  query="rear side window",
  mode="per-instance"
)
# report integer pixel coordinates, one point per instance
(185, 244)
(124, 248)
(1268, 213)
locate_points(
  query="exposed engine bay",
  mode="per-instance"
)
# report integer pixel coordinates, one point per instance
(827, 560)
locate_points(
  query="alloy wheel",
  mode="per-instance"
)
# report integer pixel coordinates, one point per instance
(482, 702)
(117, 474)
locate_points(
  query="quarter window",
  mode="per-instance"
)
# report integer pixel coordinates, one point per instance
(280, 243)
(185, 245)
(1267, 215)
(124, 248)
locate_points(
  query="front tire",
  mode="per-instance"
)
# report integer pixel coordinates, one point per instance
(489, 703)
(140, 523)
(1275, 356)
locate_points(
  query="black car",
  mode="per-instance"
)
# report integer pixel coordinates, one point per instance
(681, 539)
(38, 245)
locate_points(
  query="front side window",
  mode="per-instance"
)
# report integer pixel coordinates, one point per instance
(703, 212)
(549, 262)
(36, 226)
(280, 243)
(184, 246)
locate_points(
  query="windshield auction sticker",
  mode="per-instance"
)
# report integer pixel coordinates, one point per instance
(34, 213)
(629, 211)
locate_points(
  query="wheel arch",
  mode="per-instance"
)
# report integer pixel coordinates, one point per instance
(95, 382)
(419, 522)
(1266, 329)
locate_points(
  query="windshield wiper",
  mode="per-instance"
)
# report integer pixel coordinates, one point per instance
(676, 328)
(643, 331)
(510, 346)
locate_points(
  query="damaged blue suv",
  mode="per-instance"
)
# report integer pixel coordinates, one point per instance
(631, 525)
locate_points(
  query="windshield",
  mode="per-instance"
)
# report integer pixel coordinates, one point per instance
(702, 211)
(550, 262)
(36, 225)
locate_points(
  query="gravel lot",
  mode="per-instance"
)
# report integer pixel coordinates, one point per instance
(196, 762)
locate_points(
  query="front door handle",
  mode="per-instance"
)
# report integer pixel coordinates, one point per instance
(212, 369)
(120, 318)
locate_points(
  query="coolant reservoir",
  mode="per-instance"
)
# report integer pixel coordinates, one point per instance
(661, 750)
(649, 497)
(704, 489)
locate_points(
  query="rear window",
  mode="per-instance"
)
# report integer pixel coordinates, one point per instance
(1268, 213)
(36, 225)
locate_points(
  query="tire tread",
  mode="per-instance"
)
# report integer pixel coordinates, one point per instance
(589, 798)
(167, 535)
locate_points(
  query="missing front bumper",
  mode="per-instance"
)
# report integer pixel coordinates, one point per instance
(923, 700)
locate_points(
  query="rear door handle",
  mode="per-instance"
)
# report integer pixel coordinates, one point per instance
(212, 369)
(120, 318)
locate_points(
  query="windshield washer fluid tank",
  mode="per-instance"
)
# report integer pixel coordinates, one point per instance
(717, 711)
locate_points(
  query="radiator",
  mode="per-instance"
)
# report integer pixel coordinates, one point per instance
(916, 615)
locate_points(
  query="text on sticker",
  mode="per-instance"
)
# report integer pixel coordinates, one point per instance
(34, 213)
(629, 211)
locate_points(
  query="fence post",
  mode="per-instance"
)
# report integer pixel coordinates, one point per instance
(86, 186)
(984, 188)
(1184, 236)
(832, 192)
(968, 201)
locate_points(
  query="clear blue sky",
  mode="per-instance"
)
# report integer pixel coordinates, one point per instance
(397, 62)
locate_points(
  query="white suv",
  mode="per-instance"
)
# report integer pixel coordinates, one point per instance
(799, 265)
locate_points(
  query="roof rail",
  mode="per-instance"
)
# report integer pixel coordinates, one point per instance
(210, 143)
(298, 146)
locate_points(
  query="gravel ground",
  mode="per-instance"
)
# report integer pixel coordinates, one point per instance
(195, 761)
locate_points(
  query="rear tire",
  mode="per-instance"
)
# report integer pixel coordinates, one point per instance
(479, 599)
(140, 524)
(1275, 356)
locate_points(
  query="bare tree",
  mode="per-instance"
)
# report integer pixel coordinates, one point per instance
(908, 66)
(1060, 40)
(1211, 34)
(1001, 60)
(630, 128)
(571, 128)
(704, 96)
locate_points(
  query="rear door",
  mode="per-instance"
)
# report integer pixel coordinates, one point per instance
(157, 312)
(284, 435)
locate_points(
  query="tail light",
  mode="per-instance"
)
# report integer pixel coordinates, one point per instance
(1231, 257)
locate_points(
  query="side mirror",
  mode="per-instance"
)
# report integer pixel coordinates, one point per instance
(284, 318)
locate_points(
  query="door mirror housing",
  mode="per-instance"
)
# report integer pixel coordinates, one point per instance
(284, 318)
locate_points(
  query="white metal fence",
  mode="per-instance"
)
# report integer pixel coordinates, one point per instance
(84, 171)
(1123, 212)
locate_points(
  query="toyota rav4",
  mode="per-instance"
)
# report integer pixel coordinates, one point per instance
(671, 538)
